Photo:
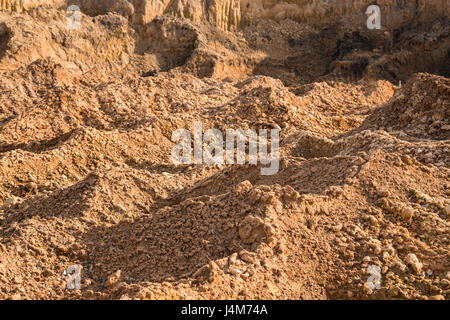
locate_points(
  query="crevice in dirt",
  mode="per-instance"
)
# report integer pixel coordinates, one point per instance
(5, 37)
(38, 146)
(170, 41)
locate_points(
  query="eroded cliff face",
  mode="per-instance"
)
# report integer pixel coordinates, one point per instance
(229, 15)
(225, 14)
(395, 13)
(297, 38)
(24, 5)
(146, 10)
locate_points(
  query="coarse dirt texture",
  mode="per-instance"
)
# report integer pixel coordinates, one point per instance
(87, 179)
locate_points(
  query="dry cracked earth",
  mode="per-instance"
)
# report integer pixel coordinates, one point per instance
(87, 179)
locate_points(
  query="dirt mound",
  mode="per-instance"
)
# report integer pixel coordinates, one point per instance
(128, 248)
(420, 109)
(87, 178)
(309, 145)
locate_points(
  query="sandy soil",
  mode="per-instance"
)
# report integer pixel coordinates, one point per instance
(86, 176)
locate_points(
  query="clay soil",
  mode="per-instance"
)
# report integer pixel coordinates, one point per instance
(86, 176)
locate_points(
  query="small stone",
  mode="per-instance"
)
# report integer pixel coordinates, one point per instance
(375, 245)
(233, 258)
(373, 221)
(414, 263)
(445, 282)
(114, 278)
(235, 272)
(254, 229)
(383, 193)
(406, 213)
(429, 156)
(244, 186)
(337, 227)
(248, 257)
(400, 265)
(214, 272)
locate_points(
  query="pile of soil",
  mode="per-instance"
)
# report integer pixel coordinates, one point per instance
(87, 180)
(421, 109)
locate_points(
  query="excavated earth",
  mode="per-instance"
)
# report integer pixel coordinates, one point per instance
(86, 176)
